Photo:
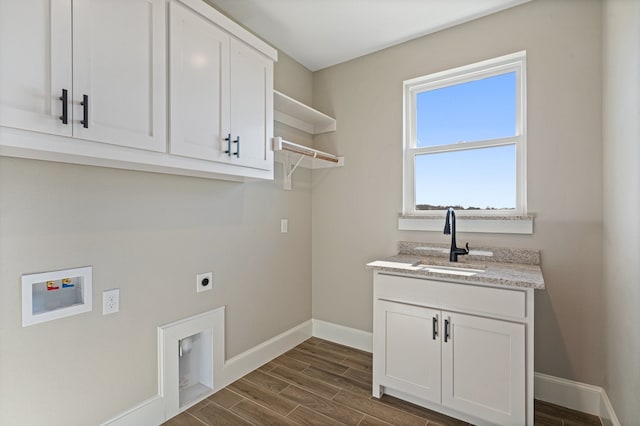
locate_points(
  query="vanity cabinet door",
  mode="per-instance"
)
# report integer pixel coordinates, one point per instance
(483, 367)
(35, 65)
(408, 349)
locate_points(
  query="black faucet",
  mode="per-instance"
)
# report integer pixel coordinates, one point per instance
(450, 228)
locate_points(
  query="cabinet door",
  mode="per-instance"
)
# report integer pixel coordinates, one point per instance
(119, 64)
(483, 368)
(199, 93)
(410, 353)
(251, 106)
(35, 53)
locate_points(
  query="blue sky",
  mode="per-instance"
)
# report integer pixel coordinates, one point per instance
(477, 110)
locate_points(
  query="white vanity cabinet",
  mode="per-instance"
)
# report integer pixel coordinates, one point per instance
(221, 91)
(89, 69)
(465, 350)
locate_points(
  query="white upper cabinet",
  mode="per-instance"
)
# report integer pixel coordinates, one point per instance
(251, 109)
(221, 96)
(35, 64)
(119, 67)
(90, 69)
(170, 86)
(199, 66)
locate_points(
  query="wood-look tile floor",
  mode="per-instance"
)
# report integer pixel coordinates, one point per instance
(323, 383)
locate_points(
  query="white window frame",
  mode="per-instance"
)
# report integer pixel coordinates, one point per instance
(515, 62)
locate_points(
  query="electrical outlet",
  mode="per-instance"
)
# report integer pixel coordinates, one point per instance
(204, 281)
(284, 225)
(111, 301)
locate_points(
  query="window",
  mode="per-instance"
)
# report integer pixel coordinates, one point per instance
(465, 138)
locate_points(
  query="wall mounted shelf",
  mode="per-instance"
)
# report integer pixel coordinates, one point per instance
(300, 116)
(309, 158)
(295, 114)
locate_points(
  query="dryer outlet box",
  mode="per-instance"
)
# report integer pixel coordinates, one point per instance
(204, 281)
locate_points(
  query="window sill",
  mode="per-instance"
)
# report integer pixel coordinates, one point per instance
(481, 224)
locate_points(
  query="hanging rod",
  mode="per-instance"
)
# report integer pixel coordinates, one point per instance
(280, 144)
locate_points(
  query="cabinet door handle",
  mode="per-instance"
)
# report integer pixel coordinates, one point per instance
(446, 330)
(228, 139)
(85, 111)
(435, 327)
(65, 107)
(237, 153)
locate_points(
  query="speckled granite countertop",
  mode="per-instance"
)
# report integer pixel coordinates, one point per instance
(496, 266)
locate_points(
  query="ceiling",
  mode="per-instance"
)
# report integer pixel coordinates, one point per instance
(321, 33)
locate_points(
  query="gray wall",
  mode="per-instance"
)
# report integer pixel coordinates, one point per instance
(621, 136)
(355, 208)
(147, 234)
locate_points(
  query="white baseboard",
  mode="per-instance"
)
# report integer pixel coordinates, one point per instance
(607, 415)
(575, 395)
(246, 362)
(150, 412)
(347, 336)
(567, 393)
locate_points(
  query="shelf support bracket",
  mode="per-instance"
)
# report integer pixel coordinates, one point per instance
(288, 171)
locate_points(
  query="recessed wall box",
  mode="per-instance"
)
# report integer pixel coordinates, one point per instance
(195, 367)
(51, 295)
(191, 352)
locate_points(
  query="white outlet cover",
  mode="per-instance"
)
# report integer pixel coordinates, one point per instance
(200, 277)
(111, 301)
